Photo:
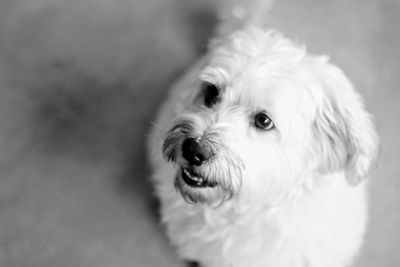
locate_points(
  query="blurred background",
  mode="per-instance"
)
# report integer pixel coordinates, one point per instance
(81, 80)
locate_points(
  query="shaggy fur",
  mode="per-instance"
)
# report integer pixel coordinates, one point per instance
(286, 196)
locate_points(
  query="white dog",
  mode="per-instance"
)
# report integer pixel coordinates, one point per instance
(266, 145)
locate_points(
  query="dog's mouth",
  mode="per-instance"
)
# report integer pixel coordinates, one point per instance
(194, 179)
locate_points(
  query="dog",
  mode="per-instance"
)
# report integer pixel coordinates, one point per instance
(259, 154)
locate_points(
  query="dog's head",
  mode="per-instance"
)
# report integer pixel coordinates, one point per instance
(262, 119)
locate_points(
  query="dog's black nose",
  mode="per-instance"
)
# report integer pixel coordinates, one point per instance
(194, 152)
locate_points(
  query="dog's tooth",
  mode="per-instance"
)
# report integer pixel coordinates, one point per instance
(195, 178)
(187, 173)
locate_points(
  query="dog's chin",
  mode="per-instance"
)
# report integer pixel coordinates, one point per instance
(197, 188)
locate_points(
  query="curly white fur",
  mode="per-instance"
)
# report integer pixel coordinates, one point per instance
(285, 197)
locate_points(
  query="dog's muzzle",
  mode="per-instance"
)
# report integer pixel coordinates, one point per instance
(207, 170)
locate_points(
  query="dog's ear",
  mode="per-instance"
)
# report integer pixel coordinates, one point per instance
(344, 132)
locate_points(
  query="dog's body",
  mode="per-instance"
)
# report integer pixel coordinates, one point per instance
(266, 144)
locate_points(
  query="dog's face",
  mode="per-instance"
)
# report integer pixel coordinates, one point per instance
(262, 120)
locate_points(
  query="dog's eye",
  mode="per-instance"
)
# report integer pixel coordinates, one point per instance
(211, 94)
(263, 122)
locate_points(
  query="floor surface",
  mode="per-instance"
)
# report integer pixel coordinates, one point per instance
(80, 82)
